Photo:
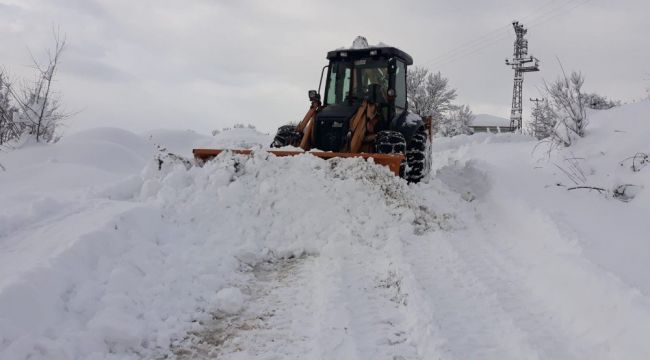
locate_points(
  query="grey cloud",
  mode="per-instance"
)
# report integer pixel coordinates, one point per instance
(89, 7)
(93, 69)
(238, 50)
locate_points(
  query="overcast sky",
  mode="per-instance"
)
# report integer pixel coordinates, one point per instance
(207, 64)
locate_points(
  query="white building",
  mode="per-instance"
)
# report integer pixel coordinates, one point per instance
(490, 123)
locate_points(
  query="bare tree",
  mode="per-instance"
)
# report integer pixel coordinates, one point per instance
(38, 109)
(568, 103)
(428, 94)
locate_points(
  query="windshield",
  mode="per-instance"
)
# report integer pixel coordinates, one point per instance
(349, 80)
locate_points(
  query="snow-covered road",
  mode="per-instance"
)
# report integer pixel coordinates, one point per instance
(495, 278)
(106, 255)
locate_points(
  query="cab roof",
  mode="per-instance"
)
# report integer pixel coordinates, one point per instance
(370, 52)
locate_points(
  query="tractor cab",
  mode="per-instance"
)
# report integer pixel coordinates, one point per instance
(375, 75)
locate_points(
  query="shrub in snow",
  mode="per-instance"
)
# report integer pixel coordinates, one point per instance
(544, 120)
(456, 121)
(598, 102)
(568, 104)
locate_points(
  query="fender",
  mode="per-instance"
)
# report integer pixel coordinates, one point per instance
(407, 123)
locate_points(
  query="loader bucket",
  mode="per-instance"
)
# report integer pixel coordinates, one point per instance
(392, 161)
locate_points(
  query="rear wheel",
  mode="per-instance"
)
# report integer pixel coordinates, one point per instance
(286, 135)
(417, 156)
(391, 142)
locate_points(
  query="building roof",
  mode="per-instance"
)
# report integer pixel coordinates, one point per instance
(490, 121)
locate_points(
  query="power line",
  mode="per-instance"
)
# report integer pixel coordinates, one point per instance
(472, 51)
(490, 35)
(494, 36)
(543, 21)
(467, 44)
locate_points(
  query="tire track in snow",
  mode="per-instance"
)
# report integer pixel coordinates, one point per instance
(598, 316)
(480, 305)
(274, 323)
(375, 301)
(517, 264)
(526, 313)
(320, 307)
(468, 301)
(466, 311)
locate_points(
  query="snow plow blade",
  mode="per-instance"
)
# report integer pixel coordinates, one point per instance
(392, 161)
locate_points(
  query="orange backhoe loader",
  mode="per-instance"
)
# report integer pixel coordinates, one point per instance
(363, 114)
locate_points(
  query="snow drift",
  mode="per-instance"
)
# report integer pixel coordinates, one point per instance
(107, 254)
(99, 278)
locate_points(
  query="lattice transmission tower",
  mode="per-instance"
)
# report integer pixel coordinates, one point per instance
(521, 63)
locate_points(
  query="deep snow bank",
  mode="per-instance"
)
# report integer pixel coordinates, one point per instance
(104, 256)
(611, 232)
(126, 279)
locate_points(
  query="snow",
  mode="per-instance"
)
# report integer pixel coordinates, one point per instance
(236, 138)
(176, 141)
(413, 119)
(229, 301)
(361, 43)
(105, 256)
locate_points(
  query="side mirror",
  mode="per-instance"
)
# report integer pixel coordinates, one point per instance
(313, 95)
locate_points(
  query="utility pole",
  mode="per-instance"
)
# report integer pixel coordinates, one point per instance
(520, 62)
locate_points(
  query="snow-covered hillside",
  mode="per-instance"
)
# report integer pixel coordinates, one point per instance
(104, 254)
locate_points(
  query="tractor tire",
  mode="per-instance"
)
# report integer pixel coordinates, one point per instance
(391, 142)
(286, 135)
(418, 157)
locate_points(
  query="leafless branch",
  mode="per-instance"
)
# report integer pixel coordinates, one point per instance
(639, 161)
(568, 174)
(600, 190)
